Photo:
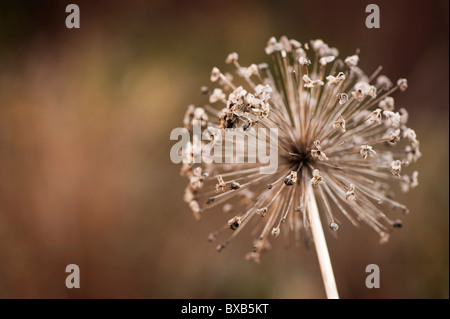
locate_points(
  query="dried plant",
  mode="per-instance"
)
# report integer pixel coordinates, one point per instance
(341, 143)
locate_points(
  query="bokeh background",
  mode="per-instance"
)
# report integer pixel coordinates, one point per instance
(85, 175)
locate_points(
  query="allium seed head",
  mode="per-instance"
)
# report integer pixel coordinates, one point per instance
(338, 131)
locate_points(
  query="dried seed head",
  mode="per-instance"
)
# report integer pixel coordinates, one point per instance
(362, 89)
(340, 124)
(324, 132)
(335, 79)
(376, 116)
(316, 45)
(275, 231)
(387, 104)
(394, 136)
(234, 222)
(410, 134)
(220, 186)
(215, 74)
(291, 179)
(384, 83)
(304, 61)
(262, 211)
(343, 98)
(350, 194)
(272, 46)
(217, 95)
(412, 153)
(396, 167)
(232, 57)
(393, 118)
(248, 72)
(367, 151)
(197, 179)
(295, 44)
(333, 226)
(352, 60)
(317, 180)
(326, 59)
(317, 153)
(402, 84)
(311, 83)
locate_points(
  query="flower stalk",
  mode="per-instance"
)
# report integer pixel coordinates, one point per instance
(321, 247)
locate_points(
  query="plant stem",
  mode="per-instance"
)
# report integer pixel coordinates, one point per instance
(321, 246)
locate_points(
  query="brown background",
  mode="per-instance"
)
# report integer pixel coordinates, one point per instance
(85, 175)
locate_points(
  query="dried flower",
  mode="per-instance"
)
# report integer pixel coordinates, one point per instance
(350, 116)
(340, 123)
(367, 151)
(387, 104)
(217, 95)
(396, 167)
(350, 194)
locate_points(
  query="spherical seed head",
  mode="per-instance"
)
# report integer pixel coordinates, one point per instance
(338, 129)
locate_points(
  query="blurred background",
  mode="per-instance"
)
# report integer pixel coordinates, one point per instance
(85, 174)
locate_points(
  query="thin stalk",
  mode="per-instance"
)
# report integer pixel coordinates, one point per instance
(321, 246)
